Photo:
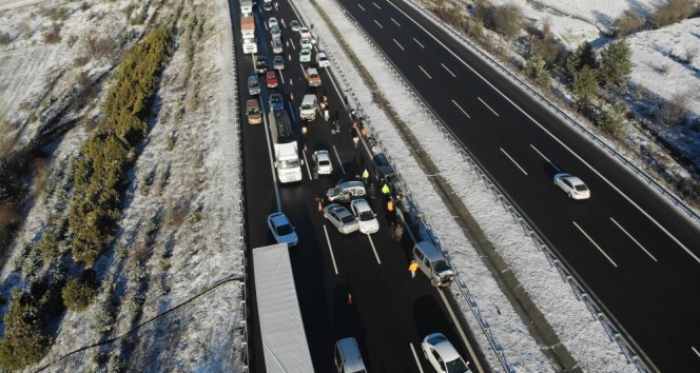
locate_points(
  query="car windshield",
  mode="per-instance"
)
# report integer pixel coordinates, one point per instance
(275, 99)
(440, 266)
(324, 162)
(366, 215)
(457, 366)
(284, 230)
(306, 107)
(347, 219)
(253, 83)
(253, 111)
(288, 164)
(581, 188)
(313, 75)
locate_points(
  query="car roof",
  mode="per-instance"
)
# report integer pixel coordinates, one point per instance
(322, 152)
(352, 183)
(351, 352)
(271, 73)
(361, 204)
(430, 250)
(443, 346)
(279, 218)
(339, 209)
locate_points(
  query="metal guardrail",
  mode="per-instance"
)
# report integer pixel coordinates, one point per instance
(243, 300)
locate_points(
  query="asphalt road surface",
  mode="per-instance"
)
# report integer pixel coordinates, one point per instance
(635, 253)
(391, 312)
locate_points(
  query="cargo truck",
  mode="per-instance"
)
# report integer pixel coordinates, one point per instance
(281, 326)
(287, 160)
(247, 7)
(250, 45)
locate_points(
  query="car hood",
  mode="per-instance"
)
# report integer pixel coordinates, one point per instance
(369, 226)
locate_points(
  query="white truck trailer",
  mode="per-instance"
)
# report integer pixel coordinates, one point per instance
(281, 327)
(287, 160)
(247, 7)
(250, 44)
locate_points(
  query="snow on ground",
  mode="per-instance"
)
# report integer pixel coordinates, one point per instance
(600, 11)
(11, 4)
(585, 338)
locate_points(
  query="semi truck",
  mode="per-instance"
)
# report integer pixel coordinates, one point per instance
(250, 45)
(287, 160)
(284, 340)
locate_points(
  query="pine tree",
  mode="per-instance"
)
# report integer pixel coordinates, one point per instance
(616, 64)
(585, 85)
(583, 56)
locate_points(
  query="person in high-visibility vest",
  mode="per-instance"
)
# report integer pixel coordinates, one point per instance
(365, 176)
(390, 206)
(385, 189)
(413, 268)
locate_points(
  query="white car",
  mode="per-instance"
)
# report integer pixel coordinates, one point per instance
(295, 25)
(442, 355)
(272, 21)
(305, 55)
(304, 32)
(306, 43)
(367, 217)
(282, 230)
(572, 186)
(341, 218)
(277, 47)
(322, 59)
(322, 160)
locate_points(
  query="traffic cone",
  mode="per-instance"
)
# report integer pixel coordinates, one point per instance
(320, 205)
(349, 299)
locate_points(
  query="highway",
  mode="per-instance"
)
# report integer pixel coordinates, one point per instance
(391, 312)
(637, 255)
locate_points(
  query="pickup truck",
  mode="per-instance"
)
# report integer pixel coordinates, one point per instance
(313, 77)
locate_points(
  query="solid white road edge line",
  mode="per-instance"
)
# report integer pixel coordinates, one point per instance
(378, 24)
(595, 244)
(417, 42)
(632, 238)
(272, 159)
(374, 249)
(513, 160)
(397, 24)
(397, 43)
(448, 70)
(472, 354)
(328, 240)
(424, 72)
(338, 158)
(306, 163)
(679, 243)
(485, 104)
(415, 356)
(545, 158)
(460, 108)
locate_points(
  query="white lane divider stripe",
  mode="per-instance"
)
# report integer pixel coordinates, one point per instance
(461, 333)
(328, 240)
(424, 72)
(417, 42)
(378, 24)
(595, 244)
(545, 158)
(489, 107)
(692, 347)
(513, 160)
(363, 9)
(460, 108)
(397, 43)
(632, 238)
(415, 356)
(448, 70)
(340, 163)
(375, 4)
(376, 255)
(397, 24)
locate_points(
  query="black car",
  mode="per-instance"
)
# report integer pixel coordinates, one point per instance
(267, 6)
(261, 65)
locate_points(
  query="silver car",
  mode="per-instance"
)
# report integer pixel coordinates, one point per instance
(295, 25)
(367, 218)
(322, 160)
(278, 62)
(572, 186)
(253, 85)
(305, 55)
(341, 218)
(277, 47)
(442, 355)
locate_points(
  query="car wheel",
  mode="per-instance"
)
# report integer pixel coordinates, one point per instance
(569, 194)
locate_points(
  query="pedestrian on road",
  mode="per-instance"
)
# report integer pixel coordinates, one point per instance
(365, 176)
(392, 230)
(337, 126)
(413, 268)
(371, 190)
(398, 232)
(385, 189)
(364, 132)
(315, 171)
(356, 141)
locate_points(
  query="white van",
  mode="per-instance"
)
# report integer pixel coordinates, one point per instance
(307, 110)
(347, 357)
(431, 262)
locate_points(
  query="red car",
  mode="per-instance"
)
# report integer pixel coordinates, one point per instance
(271, 79)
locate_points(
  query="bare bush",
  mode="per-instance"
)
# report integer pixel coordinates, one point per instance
(483, 11)
(58, 14)
(5, 38)
(663, 69)
(85, 6)
(629, 21)
(508, 20)
(53, 34)
(676, 111)
(98, 47)
(671, 12)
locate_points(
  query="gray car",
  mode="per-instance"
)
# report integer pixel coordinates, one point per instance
(277, 46)
(253, 85)
(295, 25)
(278, 62)
(346, 191)
(341, 218)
